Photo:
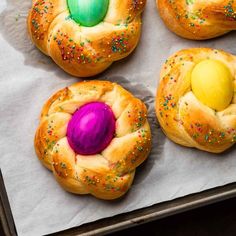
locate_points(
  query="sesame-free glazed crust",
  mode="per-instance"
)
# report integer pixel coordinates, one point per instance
(109, 174)
(85, 51)
(198, 19)
(183, 118)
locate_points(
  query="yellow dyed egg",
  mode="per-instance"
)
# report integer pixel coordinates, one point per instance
(212, 84)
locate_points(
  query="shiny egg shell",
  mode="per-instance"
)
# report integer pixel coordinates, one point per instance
(88, 12)
(91, 128)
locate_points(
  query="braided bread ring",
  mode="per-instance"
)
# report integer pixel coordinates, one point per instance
(198, 19)
(85, 51)
(109, 174)
(184, 119)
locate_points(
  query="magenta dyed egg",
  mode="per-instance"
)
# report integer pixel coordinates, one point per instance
(91, 128)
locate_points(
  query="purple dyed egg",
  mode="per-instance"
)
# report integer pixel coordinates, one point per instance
(91, 128)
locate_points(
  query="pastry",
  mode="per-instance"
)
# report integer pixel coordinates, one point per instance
(93, 135)
(84, 37)
(198, 20)
(196, 99)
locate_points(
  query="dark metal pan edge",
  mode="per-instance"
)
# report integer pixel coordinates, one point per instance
(155, 212)
(126, 220)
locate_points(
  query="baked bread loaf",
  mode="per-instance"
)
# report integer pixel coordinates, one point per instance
(93, 135)
(196, 99)
(84, 37)
(200, 19)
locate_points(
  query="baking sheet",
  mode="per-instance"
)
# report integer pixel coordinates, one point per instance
(28, 78)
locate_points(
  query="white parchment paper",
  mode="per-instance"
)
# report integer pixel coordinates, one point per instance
(28, 78)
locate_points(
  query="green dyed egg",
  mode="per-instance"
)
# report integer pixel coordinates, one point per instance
(88, 12)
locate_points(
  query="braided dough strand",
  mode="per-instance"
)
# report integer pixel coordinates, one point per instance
(107, 175)
(85, 51)
(186, 120)
(198, 19)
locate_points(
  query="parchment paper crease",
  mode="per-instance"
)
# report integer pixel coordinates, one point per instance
(28, 78)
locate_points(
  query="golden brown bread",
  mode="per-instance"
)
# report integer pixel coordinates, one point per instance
(199, 19)
(85, 51)
(186, 120)
(107, 175)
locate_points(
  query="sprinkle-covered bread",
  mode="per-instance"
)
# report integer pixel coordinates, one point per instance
(196, 99)
(93, 135)
(85, 37)
(198, 19)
